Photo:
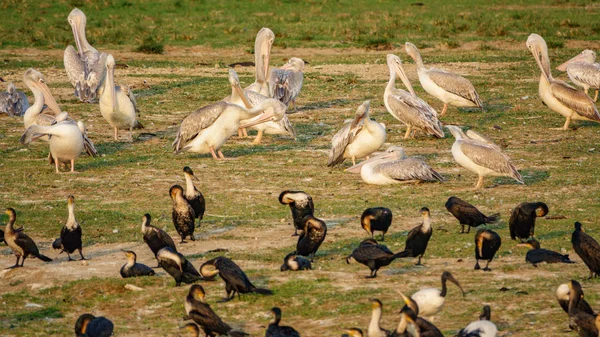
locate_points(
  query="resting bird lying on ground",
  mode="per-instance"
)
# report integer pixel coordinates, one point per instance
(538, 255)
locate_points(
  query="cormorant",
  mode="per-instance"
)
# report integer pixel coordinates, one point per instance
(481, 328)
(295, 262)
(236, 281)
(374, 330)
(276, 330)
(134, 269)
(301, 205)
(587, 248)
(177, 266)
(487, 243)
(353, 332)
(418, 237)
(522, 219)
(374, 256)
(155, 238)
(376, 219)
(192, 195)
(20, 243)
(417, 326)
(538, 255)
(90, 326)
(580, 321)
(313, 235)
(431, 300)
(562, 296)
(198, 310)
(193, 329)
(70, 235)
(183, 214)
(468, 215)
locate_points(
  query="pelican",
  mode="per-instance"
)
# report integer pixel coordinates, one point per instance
(285, 83)
(450, 88)
(84, 66)
(583, 71)
(394, 167)
(558, 95)
(262, 54)
(406, 106)
(481, 157)
(116, 105)
(357, 139)
(13, 102)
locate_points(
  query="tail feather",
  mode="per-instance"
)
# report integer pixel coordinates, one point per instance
(89, 147)
(566, 259)
(492, 218)
(262, 291)
(57, 244)
(44, 258)
(404, 253)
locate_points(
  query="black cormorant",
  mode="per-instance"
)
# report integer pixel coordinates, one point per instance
(313, 235)
(134, 269)
(587, 248)
(418, 237)
(301, 205)
(562, 296)
(467, 214)
(20, 243)
(417, 326)
(192, 195)
(374, 256)
(374, 330)
(376, 219)
(538, 255)
(90, 326)
(183, 214)
(177, 266)
(295, 262)
(522, 219)
(580, 321)
(70, 235)
(481, 328)
(276, 330)
(2, 236)
(155, 238)
(487, 243)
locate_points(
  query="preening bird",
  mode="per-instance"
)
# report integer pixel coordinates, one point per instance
(563, 298)
(134, 269)
(70, 234)
(481, 328)
(376, 219)
(487, 243)
(13, 102)
(88, 325)
(579, 320)
(295, 262)
(583, 71)
(176, 265)
(301, 205)
(353, 332)
(522, 219)
(538, 255)
(183, 214)
(192, 195)
(374, 256)
(431, 300)
(587, 248)
(285, 83)
(20, 243)
(276, 330)
(313, 235)
(468, 215)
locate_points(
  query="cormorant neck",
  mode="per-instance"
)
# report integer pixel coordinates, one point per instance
(375, 318)
(130, 261)
(71, 222)
(10, 224)
(189, 185)
(426, 223)
(401, 328)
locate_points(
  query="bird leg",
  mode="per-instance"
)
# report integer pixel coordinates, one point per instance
(486, 266)
(408, 130)
(479, 183)
(258, 137)
(220, 154)
(81, 254)
(16, 264)
(382, 236)
(116, 134)
(477, 267)
(56, 164)
(565, 127)
(373, 274)
(353, 160)
(212, 152)
(72, 165)
(444, 109)
(23, 261)
(419, 262)
(69, 255)
(462, 229)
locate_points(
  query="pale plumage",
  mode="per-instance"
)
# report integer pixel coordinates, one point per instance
(431, 300)
(285, 83)
(558, 95)
(481, 328)
(262, 54)
(405, 106)
(450, 88)
(583, 71)
(12, 101)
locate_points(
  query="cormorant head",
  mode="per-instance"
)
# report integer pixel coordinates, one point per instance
(146, 220)
(562, 292)
(486, 314)
(410, 316)
(82, 323)
(130, 255)
(197, 292)
(287, 197)
(578, 226)
(70, 199)
(192, 329)
(11, 213)
(409, 302)
(208, 270)
(276, 312)
(541, 210)
(425, 212)
(288, 261)
(531, 244)
(175, 190)
(375, 303)
(353, 332)
(187, 171)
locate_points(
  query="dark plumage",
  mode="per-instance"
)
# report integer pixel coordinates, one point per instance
(192, 329)
(580, 321)
(419, 325)
(538, 255)
(587, 248)
(236, 281)
(301, 205)
(183, 214)
(295, 262)
(177, 266)
(20, 243)
(276, 330)
(312, 237)
(192, 195)
(155, 238)
(134, 269)
(374, 256)
(487, 243)
(418, 237)
(563, 298)
(376, 219)
(70, 234)
(522, 219)
(90, 326)
(2, 236)
(467, 214)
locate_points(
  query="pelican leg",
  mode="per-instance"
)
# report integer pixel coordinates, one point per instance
(212, 152)
(566, 126)
(221, 156)
(240, 133)
(116, 134)
(72, 165)
(56, 164)
(444, 109)
(245, 132)
(408, 130)
(258, 137)
(353, 161)
(479, 183)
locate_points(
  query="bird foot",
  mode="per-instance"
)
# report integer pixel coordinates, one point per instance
(225, 299)
(371, 276)
(486, 269)
(183, 241)
(295, 234)
(477, 267)
(12, 267)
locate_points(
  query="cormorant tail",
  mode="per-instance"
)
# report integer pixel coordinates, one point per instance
(492, 218)
(262, 291)
(43, 258)
(234, 333)
(404, 253)
(565, 259)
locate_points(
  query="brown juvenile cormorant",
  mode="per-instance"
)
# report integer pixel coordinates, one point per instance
(353, 332)
(276, 330)
(587, 248)
(90, 326)
(301, 205)
(579, 320)
(374, 256)
(487, 243)
(155, 238)
(313, 235)
(481, 328)
(562, 296)
(374, 330)
(431, 300)
(417, 326)
(295, 262)
(183, 214)
(192, 195)
(538, 255)
(134, 269)
(236, 281)
(418, 237)
(198, 310)
(467, 214)
(193, 329)
(20, 243)
(70, 235)
(177, 266)
(376, 219)
(522, 219)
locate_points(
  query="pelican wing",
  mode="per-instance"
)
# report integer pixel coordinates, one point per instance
(575, 100)
(474, 135)
(455, 84)
(285, 84)
(490, 157)
(131, 96)
(287, 126)
(415, 112)
(74, 66)
(197, 121)
(585, 73)
(408, 169)
(5, 102)
(254, 97)
(342, 139)
(14, 104)
(96, 63)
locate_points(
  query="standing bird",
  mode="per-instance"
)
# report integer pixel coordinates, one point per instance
(587, 248)
(13, 102)
(562, 296)
(450, 88)
(522, 219)
(357, 139)
(285, 83)
(417, 326)
(405, 106)
(374, 256)
(538, 255)
(177, 266)
(236, 281)
(20, 243)
(192, 195)
(418, 237)
(117, 103)
(481, 328)
(84, 66)
(88, 325)
(134, 269)
(376, 219)
(583, 71)
(183, 214)
(558, 95)
(312, 236)
(481, 157)
(580, 320)
(468, 215)
(262, 54)
(192, 329)
(431, 300)
(276, 330)
(301, 205)
(295, 262)
(154, 237)
(487, 243)
(70, 235)
(374, 329)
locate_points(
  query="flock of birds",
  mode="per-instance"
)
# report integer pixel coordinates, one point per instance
(262, 106)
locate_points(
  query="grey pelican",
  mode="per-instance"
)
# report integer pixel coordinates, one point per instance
(358, 138)
(285, 83)
(116, 105)
(393, 167)
(483, 158)
(262, 54)
(583, 71)
(12, 101)
(84, 66)
(450, 88)
(406, 106)
(556, 94)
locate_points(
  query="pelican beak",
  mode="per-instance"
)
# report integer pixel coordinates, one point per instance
(356, 168)
(287, 66)
(579, 58)
(48, 98)
(264, 117)
(74, 28)
(539, 59)
(240, 92)
(400, 72)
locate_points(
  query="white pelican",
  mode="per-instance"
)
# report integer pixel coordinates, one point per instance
(558, 95)
(116, 105)
(84, 66)
(12, 101)
(481, 157)
(431, 300)
(262, 54)
(406, 106)
(450, 88)
(285, 83)
(393, 167)
(358, 138)
(583, 71)
(481, 328)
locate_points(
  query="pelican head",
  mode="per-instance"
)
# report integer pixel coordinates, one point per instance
(36, 83)
(273, 109)
(262, 50)
(198, 293)
(392, 153)
(395, 65)
(538, 47)
(412, 51)
(234, 81)
(110, 62)
(587, 56)
(295, 63)
(363, 109)
(77, 20)
(456, 132)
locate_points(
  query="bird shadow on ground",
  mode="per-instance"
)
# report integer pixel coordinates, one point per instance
(532, 177)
